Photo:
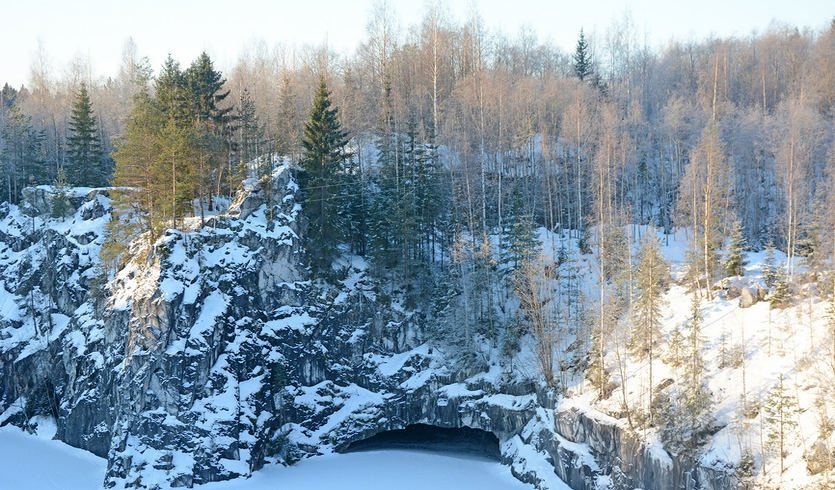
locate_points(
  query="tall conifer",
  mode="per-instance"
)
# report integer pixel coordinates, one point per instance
(324, 145)
(83, 144)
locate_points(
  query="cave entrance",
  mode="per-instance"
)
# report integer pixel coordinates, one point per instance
(464, 440)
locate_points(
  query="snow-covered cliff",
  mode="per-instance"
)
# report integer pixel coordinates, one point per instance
(212, 353)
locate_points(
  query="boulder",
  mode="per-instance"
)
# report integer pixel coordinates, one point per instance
(748, 297)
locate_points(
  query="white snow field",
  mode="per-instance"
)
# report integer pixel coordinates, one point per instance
(35, 462)
(381, 470)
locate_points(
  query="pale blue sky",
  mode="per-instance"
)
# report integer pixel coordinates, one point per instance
(97, 29)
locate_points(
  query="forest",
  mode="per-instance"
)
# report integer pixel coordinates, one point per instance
(444, 154)
(697, 134)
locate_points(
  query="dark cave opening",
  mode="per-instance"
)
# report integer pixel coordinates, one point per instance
(423, 437)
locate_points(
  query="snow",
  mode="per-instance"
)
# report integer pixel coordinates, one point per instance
(8, 307)
(294, 322)
(213, 307)
(34, 462)
(381, 470)
(527, 460)
(792, 342)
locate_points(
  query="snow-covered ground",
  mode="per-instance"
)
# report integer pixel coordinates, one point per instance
(34, 462)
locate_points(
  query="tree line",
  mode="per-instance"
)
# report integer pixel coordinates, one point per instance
(446, 147)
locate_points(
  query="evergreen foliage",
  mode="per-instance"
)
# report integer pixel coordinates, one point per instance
(84, 149)
(582, 59)
(519, 241)
(206, 92)
(686, 414)
(173, 148)
(770, 270)
(324, 153)
(22, 160)
(286, 132)
(735, 263)
(676, 349)
(60, 200)
(141, 178)
(170, 92)
(780, 415)
(781, 295)
(652, 279)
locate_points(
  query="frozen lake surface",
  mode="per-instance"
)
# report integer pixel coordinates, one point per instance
(29, 462)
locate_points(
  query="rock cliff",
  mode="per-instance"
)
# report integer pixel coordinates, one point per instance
(212, 352)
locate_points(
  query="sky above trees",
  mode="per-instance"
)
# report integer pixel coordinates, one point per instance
(91, 33)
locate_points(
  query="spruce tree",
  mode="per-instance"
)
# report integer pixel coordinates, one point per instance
(653, 276)
(735, 263)
(780, 417)
(675, 349)
(215, 171)
(687, 414)
(389, 184)
(206, 92)
(697, 399)
(324, 152)
(582, 59)
(22, 160)
(286, 130)
(170, 92)
(83, 145)
(781, 294)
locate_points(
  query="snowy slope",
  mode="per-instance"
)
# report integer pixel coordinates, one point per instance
(745, 351)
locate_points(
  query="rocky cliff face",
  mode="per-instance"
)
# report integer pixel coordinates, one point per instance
(213, 353)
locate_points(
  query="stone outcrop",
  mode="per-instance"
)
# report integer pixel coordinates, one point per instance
(213, 352)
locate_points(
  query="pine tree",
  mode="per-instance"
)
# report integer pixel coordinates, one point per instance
(324, 152)
(735, 263)
(582, 59)
(83, 145)
(780, 418)
(141, 179)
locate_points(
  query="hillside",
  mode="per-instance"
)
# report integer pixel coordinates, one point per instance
(213, 353)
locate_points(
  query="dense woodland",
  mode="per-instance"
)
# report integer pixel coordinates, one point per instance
(604, 134)
(428, 144)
